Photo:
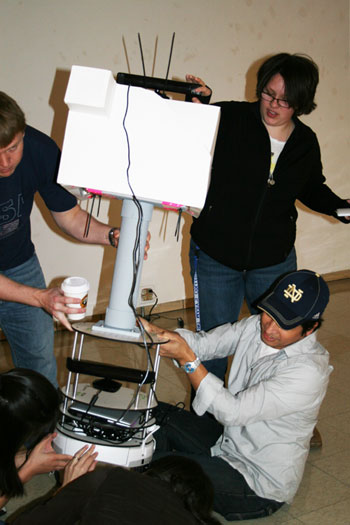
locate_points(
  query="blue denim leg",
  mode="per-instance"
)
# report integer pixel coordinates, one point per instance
(221, 294)
(221, 290)
(257, 282)
(28, 329)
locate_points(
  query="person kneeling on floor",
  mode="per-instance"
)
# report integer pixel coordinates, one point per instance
(255, 447)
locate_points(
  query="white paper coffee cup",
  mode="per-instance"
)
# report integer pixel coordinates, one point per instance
(76, 287)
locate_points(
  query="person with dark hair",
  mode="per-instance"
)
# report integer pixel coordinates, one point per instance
(252, 438)
(29, 162)
(173, 490)
(300, 77)
(29, 406)
(188, 481)
(265, 159)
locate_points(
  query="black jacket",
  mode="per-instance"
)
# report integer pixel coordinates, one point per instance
(246, 224)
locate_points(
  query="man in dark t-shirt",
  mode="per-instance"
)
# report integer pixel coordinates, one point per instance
(29, 163)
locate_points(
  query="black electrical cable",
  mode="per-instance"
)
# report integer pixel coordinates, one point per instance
(136, 251)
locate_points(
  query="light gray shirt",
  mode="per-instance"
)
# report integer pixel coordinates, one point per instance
(270, 405)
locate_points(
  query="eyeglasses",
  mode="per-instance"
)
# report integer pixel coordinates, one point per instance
(280, 101)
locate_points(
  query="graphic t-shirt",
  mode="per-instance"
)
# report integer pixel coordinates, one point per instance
(37, 171)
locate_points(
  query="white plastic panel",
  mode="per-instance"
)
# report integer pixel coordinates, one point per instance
(171, 142)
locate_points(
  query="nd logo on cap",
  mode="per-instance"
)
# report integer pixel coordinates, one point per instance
(296, 297)
(293, 293)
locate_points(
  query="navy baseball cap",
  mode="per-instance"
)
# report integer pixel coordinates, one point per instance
(297, 297)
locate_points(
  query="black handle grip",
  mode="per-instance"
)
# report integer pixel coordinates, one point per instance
(159, 84)
(92, 368)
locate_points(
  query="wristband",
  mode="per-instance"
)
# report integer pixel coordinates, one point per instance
(111, 237)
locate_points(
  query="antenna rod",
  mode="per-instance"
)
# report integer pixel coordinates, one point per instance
(171, 54)
(142, 60)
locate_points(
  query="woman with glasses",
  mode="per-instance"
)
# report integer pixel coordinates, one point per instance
(265, 159)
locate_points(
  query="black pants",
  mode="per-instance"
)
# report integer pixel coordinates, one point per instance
(192, 436)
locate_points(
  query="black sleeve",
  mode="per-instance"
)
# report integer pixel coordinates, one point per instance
(316, 194)
(67, 506)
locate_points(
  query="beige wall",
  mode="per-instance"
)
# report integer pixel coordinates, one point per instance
(223, 41)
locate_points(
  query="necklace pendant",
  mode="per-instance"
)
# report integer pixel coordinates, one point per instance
(271, 182)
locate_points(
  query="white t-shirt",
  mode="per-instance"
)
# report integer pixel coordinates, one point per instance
(276, 149)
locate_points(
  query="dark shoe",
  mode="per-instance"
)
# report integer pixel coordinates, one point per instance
(316, 440)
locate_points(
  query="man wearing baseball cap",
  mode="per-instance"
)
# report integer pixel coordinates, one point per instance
(297, 298)
(255, 446)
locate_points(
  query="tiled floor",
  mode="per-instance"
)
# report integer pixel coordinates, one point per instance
(324, 495)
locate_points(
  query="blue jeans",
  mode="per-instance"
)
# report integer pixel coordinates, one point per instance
(222, 290)
(28, 329)
(186, 434)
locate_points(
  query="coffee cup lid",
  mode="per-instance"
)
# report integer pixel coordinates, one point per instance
(75, 284)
